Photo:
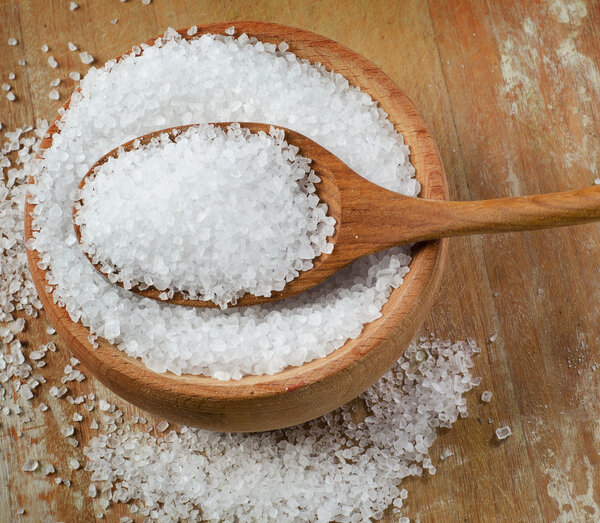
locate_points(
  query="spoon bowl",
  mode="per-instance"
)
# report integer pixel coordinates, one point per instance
(297, 394)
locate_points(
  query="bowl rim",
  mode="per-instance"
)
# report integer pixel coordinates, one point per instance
(111, 364)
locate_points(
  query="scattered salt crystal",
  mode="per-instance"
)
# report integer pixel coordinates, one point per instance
(45, 48)
(74, 464)
(26, 393)
(36, 355)
(486, 396)
(55, 82)
(104, 405)
(86, 57)
(73, 6)
(72, 46)
(162, 426)
(283, 47)
(50, 330)
(52, 62)
(77, 417)
(6, 87)
(11, 96)
(146, 2)
(47, 470)
(74, 75)
(94, 424)
(192, 30)
(114, 21)
(230, 31)
(446, 453)
(12, 41)
(43, 407)
(30, 465)
(73, 442)
(493, 338)
(11, 76)
(92, 491)
(68, 431)
(21, 511)
(503, 433)
(58, 480)
(22, 62)
(597, 181)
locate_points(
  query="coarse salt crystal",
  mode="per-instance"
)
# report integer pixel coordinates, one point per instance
(72, 46)
(73, 6)
(12, 41)
(86, 57)
(503, 433)
(486, 396)
(30, 465)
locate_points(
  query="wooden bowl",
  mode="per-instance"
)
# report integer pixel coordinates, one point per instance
(297, 394)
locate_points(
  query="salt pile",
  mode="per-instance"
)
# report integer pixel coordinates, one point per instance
(215, 214)
(17, 291)
(342, 467)
(206, 79)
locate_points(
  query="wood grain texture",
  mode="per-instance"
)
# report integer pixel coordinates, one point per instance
(370, 218)
(297, 394)
(508, 91)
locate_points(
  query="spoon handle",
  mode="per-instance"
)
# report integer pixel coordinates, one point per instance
(440, 219)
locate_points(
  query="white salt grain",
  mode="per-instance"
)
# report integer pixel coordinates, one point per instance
(92, 491)
(77, 417)
(54, 95)
(11, 96)
(73, 6)
(30, 465)
(74, 75)
(74, 464)
(162, 426)
(50, 330)
(5, 87)
(230, 30)
(503, 433)
(72, 46)
(493, 338)
(446, 453)
(45, 48)
(486, 396)
(86, 57)
(47, 470)
(114, 21)
(12, 41)
(192, 30)
(52, 62)
(22, 62)
(146, 2)
(11, 76)
(55, 82)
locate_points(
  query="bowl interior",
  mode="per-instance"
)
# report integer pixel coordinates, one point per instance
(117, 370)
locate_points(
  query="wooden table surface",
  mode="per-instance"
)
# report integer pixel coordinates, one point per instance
(510, 91)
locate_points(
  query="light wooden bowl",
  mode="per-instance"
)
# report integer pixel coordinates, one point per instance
(297, 394)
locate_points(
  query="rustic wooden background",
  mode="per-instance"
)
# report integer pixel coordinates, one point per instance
(510, 91)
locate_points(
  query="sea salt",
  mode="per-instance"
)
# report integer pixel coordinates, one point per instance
(446, 453)
(22, 62)
(55, 82)
(486, 396)
(73, 6)
(162, 426)
(199, 246)
(47, 470)
(11, 76)
(338, 468)
(54, 95)
(12, 41)
(503, 433)
(11, 96)
(45, 48)
(30, 465)
(114, 106)
(52, 62)
(74, 75)
(86, 57)
(72, 46)
(5, 87)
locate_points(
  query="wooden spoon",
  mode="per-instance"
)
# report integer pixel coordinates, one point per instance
(370, 218)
